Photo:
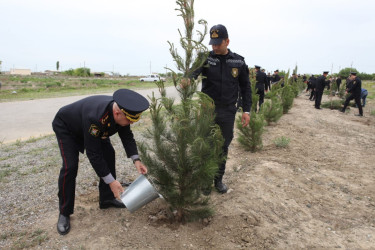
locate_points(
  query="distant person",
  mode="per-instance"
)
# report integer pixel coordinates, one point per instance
(268, 85)
(355, 93)
(87, 125)
(275, 77)
(319, 88)
(261, 81)
(364, 94)
(338, 82)
(225, 74)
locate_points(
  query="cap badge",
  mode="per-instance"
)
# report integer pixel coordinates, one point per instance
(215, 34)
(234, 72)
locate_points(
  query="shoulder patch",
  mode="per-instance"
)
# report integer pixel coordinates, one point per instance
(94, 130)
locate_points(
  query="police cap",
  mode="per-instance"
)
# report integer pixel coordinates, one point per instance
(217, 34)
(257, 67)
(353, 73)
(276, 70)
(325, 72)
(131, 103)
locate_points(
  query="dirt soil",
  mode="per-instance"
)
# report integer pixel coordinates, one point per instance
(318, 192)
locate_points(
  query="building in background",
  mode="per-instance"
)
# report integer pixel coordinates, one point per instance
(22, 72)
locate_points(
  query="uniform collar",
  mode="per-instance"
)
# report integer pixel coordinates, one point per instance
(229, 55)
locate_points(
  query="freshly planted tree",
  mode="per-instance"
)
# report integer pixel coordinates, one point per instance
(251, 136)
(272, 110)
(185, 147)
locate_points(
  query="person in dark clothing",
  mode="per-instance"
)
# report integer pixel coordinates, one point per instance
(268, 85)
(338, 82)
(86, 125)
(355, 93)
(275, 77)
(312, 81)
(261, 81)
(225, 73)
(319, 88)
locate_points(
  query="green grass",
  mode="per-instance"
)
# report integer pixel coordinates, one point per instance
(282, 142)
(33, 87)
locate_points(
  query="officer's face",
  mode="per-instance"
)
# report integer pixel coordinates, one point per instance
(121, 119)
(221, 49)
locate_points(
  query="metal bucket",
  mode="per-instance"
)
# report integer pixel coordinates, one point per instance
(139, 193)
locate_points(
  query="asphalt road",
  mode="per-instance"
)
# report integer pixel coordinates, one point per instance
(25, 119)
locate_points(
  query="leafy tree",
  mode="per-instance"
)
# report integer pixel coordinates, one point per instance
(57, 65)
(186, 144)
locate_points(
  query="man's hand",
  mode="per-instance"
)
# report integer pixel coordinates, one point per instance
(142, 169)
(116, 188)
(245, 119)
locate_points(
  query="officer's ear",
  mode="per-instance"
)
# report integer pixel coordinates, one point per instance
(227, 42)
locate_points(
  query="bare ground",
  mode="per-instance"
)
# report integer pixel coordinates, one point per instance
(316, 193)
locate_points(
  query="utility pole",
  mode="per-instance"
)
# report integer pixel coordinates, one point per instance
(150, 68)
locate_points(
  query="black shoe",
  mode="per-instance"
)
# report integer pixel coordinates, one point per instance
(111, 203)
(221, 187)
(342, 110)
(318, 107)
(358, 115)
(63, 224)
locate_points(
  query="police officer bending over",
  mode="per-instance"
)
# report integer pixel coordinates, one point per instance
(87, 125)
(355, 93)
(226, 73)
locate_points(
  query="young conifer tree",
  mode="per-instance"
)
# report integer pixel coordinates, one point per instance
(250, 137)
(186, 146)
(272, 109)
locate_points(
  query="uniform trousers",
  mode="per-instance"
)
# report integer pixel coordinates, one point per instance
(318, 97)
(357, 99)
(260, 92)
(225, 117)
(70, 147)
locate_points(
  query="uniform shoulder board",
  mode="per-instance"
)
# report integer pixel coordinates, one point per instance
(354, 82)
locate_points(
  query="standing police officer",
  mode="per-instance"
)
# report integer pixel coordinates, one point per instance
(338, 82)
(225, 73)
(87, 125)
(319, 88)
(275, 77)
(355, 90)
(261, 81)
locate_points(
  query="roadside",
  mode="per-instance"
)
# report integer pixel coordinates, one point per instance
(317, 192)
(24, 119)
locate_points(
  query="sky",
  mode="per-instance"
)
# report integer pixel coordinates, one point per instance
(131, 37)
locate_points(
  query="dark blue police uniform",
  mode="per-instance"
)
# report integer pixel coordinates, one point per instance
(224, 77)
(355, 93)
(87, 125)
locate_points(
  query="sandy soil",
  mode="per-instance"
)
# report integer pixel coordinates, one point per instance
(316, 193)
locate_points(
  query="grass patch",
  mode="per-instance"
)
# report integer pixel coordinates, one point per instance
(15, 88)
(282, 142)
(29, 240)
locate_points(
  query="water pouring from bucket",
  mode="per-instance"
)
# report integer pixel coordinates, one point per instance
(139, 193)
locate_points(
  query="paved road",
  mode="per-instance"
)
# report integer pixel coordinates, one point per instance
(33, 118)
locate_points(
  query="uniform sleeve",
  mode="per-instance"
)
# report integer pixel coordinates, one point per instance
(245, 88)
(128, 141)
(92, 138)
